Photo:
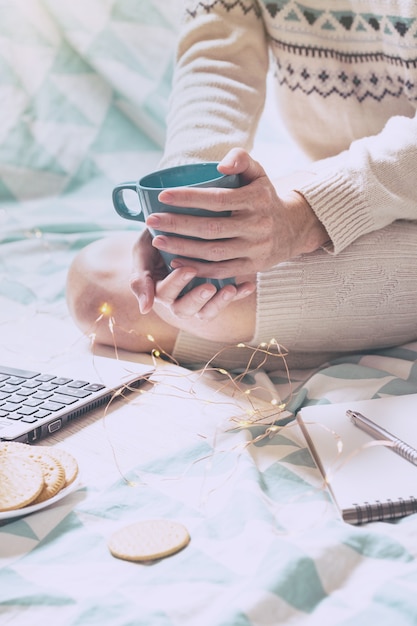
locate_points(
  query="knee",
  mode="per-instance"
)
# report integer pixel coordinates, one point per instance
(89, 283)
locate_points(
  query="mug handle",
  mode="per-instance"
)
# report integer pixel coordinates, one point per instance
(120, 205)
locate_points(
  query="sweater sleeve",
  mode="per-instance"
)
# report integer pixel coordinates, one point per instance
(368, 186)
(219, 82)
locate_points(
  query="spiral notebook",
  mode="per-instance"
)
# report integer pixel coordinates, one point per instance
(366, 479)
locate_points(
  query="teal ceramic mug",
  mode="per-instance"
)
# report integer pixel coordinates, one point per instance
(148, 189)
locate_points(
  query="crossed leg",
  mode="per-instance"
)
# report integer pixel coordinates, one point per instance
(318, 306)
(101, 302)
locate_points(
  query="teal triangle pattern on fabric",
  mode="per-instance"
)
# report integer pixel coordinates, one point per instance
(20, 149)
(19, 528)
(16, 25)
(16, 590)
(377, 546)
(65, 101)
(127, 137)
(296, 580)
(87, 171)
(5, 193)
(107, 45)
(300, 457)
(354, 372)
(140, 12)
(51, 105)
(285, 486)
(118, 611)
(8, 76)
(398, 387)
(67, 61)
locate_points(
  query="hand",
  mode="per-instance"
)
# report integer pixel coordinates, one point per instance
(263, 230)
(151, 283)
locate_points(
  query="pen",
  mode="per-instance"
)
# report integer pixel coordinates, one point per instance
(377, 432)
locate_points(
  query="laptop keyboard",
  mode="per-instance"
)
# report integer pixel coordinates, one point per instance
(29, 397)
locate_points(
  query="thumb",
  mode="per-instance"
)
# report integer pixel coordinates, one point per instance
(239, 161)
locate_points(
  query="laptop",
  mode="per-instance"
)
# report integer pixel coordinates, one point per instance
(37, 402)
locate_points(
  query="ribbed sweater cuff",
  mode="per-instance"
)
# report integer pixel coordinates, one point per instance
(339, 207)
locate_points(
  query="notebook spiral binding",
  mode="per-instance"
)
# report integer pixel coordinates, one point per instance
(380, 511)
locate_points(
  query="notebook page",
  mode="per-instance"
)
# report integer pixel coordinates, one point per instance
(358, 472)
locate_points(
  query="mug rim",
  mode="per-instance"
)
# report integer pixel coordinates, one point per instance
(142, 183)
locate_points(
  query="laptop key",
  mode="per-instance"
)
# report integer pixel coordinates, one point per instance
(75, 393)
(95, 387)
(59, 397)
(41, 413)
(44, 378)
(14, 371)
(32, 401)
(48, 387)
(62, 381)
(9, 407)
(27, 410)
(32, 384)
(29, 419)
(52, 406)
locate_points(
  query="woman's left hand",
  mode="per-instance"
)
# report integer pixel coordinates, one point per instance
(263, 229)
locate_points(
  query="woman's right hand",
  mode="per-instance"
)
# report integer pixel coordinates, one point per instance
(151, 283)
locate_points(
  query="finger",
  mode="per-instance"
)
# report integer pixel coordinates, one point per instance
(210, 251)
(214, 199)
(186, 225)
(238, 161)
(147, 267)
(223, 298)
(143, 288)
(169, 289)
(192, 302)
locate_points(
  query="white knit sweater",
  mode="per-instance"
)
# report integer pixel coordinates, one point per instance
(346, 86)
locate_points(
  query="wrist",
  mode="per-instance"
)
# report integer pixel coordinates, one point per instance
(312, 233)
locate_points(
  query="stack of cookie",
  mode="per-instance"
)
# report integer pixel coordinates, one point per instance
(31, 475)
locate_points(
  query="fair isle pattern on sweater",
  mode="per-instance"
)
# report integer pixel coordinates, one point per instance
(352, 54)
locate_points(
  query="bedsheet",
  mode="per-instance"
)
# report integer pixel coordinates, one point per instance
(214, 450)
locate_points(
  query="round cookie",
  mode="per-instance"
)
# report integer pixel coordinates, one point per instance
(21, 481)
(67, 461)
(148, 540)
(53, 475)
(63, 458)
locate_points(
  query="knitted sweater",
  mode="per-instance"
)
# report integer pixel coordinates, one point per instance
(346, 85)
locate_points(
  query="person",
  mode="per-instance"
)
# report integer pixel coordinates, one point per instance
(325, 259)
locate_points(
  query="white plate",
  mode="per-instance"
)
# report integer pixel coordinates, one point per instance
(27, 510)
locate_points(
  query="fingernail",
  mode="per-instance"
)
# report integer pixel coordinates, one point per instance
(227, 295)
(188, 276)
(142, 299)
(205, 294)
(153, 221)
(160, 243)
(247, 292)
(165, 197)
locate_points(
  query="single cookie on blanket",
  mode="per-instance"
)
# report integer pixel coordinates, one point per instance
(148, 540)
